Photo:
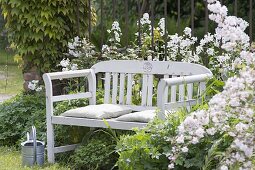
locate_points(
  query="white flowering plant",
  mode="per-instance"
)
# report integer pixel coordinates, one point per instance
(35, 86)
(221, 134)
(81, 54)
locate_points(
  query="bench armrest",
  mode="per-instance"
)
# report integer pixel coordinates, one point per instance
(48, 77)
(166, 82)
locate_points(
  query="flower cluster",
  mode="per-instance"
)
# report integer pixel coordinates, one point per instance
(180, 48)
(116, 31)
(67, 65)
(230, 113)
(34, 85)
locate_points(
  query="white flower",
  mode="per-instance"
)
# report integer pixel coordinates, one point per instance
(38, 89)
(74, 67)
(187, 31)
(223, 167)
(185, 149)
(31, 86)
(171, 166)
(65, 63)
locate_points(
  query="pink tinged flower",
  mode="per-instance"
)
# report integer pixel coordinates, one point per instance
(194, 140)
(200, 132)
(211, 131)
(180, 139)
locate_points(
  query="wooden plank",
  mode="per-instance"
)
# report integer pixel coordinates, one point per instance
(173, 105)
(107, 85)
(96, 123)
(166, 90)
(190, 90)
(65, 148)
(173, 92)
(202, 87)
(181, 92)
(122, 88)
(71, 96)
(69, 74)
(129, 88)
(150, 90)
(144, 89)
(114, 87)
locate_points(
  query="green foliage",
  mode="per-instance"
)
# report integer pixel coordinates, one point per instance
(18, 115)
(95, 153)
(25, 110)
(41, 29)
(149, 147)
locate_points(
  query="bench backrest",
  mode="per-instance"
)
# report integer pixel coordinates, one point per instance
(120, 74)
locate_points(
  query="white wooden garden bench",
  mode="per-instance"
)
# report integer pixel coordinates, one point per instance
(176, 88)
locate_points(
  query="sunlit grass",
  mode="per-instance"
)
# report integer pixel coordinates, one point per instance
(10, 159)
(11, 79)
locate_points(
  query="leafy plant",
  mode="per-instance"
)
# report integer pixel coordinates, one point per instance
(97, 150)
(149, 147)
(41, 29)
(18, 114)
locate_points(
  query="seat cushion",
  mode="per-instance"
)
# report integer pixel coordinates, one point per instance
(142, 116)
(101, 111)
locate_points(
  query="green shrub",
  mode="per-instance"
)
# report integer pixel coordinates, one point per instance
(149, 147)
(18, 114)
(95, 153)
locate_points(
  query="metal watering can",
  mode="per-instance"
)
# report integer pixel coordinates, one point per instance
(32, 150)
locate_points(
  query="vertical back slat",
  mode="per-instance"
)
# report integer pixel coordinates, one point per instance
(107, 84)
(114, 87)
(173, 92)
(122, 88)
(150, 90)
(181, 92)
(129, 89)
(190, 90)
(166, 91)
(144, 89)
(202, 87)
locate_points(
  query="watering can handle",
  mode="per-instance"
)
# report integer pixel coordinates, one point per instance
(34, 141)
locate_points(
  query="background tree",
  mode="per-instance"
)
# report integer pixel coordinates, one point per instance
(41, 29)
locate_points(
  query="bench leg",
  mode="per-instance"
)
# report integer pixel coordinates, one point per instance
(50, 142)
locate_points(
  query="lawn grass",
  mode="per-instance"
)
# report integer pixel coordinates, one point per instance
(11, 79)
(10, 159)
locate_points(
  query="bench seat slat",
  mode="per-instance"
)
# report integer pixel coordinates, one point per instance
(96, 123)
